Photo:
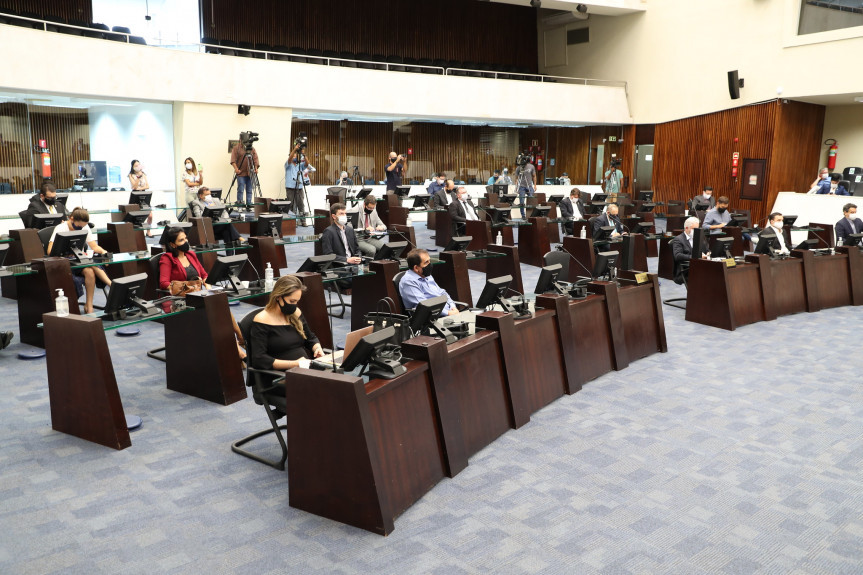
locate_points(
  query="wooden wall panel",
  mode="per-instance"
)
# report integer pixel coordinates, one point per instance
(16, 168)
(460, 30)
(695, 152)
(67, 132)
(66, 10)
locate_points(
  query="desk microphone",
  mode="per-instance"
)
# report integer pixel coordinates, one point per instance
(403, 236)
(560, 248)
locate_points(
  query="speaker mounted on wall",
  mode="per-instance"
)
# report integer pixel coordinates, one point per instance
(734, 84)
(243, 109)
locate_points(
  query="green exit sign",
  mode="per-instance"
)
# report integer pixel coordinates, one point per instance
(612, 138)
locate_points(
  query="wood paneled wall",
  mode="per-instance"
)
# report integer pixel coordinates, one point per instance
(695, 152)
(460, 30)
(80, 10)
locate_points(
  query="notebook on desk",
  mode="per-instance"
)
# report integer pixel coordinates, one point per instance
(351, 341)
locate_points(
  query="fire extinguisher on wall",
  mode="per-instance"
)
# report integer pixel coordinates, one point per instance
(44, 158)
(539, 160)
(735, 158)
(831, 153)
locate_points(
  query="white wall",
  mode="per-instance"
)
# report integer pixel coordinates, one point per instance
(142, 132)
(172, 75)
(675, 56)
(845, 125)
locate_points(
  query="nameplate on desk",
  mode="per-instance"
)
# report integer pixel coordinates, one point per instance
(730, 263)
(122, 257)
(641, 278)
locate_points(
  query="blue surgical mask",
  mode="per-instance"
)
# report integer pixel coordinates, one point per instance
(74, 227)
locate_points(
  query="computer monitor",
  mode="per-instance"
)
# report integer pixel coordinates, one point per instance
(647, 207)
(123, 299)
(354, 219)
(498, 216)
(363, 193)
(421, 201)
(646, 195)
(557, 198)
(605, 234)
(540, 211)
(368, 354)
(850, 240)
(601, 197)
(500, 189)
(700, 206)
(226, 271)
(62, 199)
(318, 264)
(95, 169)
(269, 225)
(425, 315)
(789, 221)
(812, 243)
(767, 244)
(143, 199)
(391, 251)
(42, 221)
(605, 265)
(551, 181)
(596, 207)
(402, 191)
(548, 279)
(83, 184)
(214, 213)
(508, 198)
(721, 248)
(137, 218)
(216, 193)
(458, 243)
(70, 244)
(281, 206)
(495, 290)
(642, 227)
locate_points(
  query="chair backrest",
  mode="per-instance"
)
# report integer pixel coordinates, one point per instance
(26, 217)
(396, 281)
(246, 327)
(45, 236)
(153, 273)
(845, 184)
(558, 257)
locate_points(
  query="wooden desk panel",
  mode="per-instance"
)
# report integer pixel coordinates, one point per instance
(724, 297)
(533, 241)
(643, 322)
(453, 276)
(834, 280)
(789, 286)
(665, 265)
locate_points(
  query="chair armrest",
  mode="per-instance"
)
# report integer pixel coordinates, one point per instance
(461, 305)
(279, 377)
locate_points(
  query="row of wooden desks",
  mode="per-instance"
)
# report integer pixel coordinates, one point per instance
(762, 289)
(384, 443)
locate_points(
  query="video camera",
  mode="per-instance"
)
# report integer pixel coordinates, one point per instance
(523, 159)
(248, 140)
(302, 140)
(616, 163)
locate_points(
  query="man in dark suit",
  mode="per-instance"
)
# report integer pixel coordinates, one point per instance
(443, 198)
(682, 250)
(849, 224)
(460, 211)
(571, 207)
(609, 218)
(706, 197)
(45, 202)
(340, 238)
(437, 184)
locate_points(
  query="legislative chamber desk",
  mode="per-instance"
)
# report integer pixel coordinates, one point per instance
(762, 289)
(201, 360)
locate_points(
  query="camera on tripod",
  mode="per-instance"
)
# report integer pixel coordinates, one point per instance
(248, 139)
(523, 159)
(302, 140)
(616, 163)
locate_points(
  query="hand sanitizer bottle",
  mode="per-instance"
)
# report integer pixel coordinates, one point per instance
(268, 278)
(61, 304)
(499, 239)
(583, 233)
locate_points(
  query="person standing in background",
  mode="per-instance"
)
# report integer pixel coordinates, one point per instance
(193, 178)
(139, 183)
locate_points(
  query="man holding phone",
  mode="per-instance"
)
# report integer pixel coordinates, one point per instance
(398, 165)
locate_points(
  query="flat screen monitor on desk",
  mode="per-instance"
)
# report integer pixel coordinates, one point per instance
(498, 216)
(143, 199)
(370, 353)
(137, 218)
(402, 191)
(499, 189)
(605, 233)
(540, 211)
(426, 314)
(95, 169)
(213, 213)
(216, 193)
(83, 184)
(508, 198)
(494, 292)
(70, 244)
(226, 271)
(556, 199)
(642, 227)
(421, 201)
(647, 207)
(700, 207)
(604, 267)
(768, 244)
(281, 206)
(269, 225)
(123, 301)
(721, 248)
(548, 279)
(363, 193)
(812, 243)
(852, 239)
(458, 244)
(788, 221)
(599, 198)
(645, 196)
(62, 199)
(596, 207)
(391, 251)
(318, 264)
(42, 221)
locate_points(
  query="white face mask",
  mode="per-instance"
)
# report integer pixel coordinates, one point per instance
(139, 169)
(852, 217)
(707, 194)
(825, 176)
(777, 225)
(343, 220)
(188, 166)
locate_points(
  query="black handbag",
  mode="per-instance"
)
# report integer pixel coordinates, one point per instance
(383, 316)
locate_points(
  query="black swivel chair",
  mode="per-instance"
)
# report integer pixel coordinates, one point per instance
(153, 276)
(558, 257)
(267, 390)
(681, 274)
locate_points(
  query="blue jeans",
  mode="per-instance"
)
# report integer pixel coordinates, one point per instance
(244, 183)
(521, 193)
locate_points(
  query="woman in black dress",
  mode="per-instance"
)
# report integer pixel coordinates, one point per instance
(280, 335)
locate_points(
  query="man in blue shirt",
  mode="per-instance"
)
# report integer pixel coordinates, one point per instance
(493, 180)
(822, 184)
(718, 217)
(395, 169)
(418, 284)
(437, 184)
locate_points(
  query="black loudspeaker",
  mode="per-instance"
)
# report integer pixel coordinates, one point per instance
(734, 85)
(244, 110)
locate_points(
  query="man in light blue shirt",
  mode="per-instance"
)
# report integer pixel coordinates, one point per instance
(418, 285)
(493, 179)
(718, 217)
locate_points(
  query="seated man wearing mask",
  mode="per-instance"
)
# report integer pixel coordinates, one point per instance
(418, 284)
(718, 217)
(344, 180)
(571, 207)
(461, 211)
(609, 218)
(369, 222)
(774, 227)
(437, 184)
(682, 249)
(45, 202)
(444, 197)
(222, 227)
(849, 224)
(504, 178)
(835, 188)
(706, 197)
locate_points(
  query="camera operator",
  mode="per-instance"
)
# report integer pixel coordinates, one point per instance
(526, 179)
(613, 178)
(294, 165)
(240, 157)
(398, 165)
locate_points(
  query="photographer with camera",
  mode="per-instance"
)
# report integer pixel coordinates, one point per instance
(398, 165)
(613, 177)
(296, 167)
(526, 178)
(244, 160)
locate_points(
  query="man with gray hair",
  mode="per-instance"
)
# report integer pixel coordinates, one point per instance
(683, 250)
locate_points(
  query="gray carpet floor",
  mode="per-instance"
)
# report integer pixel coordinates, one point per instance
(735, 452)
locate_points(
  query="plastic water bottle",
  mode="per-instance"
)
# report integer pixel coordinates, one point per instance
(61, 304)
(499, 239)
(268, 278)
(583, 233)
(840, 242)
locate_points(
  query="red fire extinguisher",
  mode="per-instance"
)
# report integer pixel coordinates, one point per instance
(735, 158)
(539, 161)
(831, 153)
(45, 158)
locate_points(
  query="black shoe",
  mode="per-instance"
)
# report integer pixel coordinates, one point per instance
(6, 339)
